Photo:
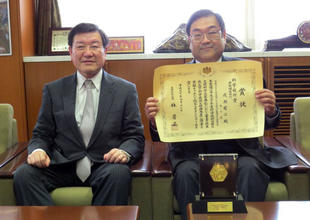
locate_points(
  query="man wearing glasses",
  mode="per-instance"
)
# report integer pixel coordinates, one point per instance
(88, 131)
(207, 36)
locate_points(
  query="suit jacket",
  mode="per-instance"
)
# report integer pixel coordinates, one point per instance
(274, 157)
(118, 123)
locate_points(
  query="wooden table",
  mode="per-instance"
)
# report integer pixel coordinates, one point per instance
(69, 212)
(284, 210)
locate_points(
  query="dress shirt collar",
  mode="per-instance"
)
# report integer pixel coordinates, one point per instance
(219, 60)
(96, 80)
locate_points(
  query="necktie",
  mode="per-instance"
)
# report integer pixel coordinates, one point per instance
(87, 126)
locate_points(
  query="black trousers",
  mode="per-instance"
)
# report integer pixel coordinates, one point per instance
(110, 183)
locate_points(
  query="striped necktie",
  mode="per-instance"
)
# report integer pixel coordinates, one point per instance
(87, 126)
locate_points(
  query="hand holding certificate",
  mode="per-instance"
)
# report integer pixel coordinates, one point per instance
(209, 101)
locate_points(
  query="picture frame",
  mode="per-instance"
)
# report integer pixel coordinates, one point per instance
(123, 45)
(58, 41)
(5, 29)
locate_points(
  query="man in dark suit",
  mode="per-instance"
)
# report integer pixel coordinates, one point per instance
(88, 130)
(207, 36)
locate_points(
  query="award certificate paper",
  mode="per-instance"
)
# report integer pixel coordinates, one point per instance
(209, 101)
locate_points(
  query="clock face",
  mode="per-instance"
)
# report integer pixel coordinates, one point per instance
(303, 32)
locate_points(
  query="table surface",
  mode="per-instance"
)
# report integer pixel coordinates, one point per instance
(284, 210)
(69, 212)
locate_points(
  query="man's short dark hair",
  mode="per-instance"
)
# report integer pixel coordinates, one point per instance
(87, 28)
(204, 13)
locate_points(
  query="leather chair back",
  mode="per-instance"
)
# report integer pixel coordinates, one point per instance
(8, 127)
(302, 121)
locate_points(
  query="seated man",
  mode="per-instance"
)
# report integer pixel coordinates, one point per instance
(88, 131)
(207, 34)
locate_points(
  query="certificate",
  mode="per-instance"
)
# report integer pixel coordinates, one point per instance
(59, 41)
(209, 101)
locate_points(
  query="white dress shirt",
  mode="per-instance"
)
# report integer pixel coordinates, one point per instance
(81, 95)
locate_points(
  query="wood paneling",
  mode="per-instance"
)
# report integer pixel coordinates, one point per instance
(38, 74)
(139, 72)
(12, 88)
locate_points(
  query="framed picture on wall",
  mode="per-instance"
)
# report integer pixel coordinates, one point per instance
(119, 45)
(5, 31)
(58, 42)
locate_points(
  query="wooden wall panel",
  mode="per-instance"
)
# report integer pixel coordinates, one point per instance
(38, 74)
(12, 88)
(141, 73)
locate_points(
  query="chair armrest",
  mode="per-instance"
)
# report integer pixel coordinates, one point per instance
(160, 165)
(299, 151)
(292, 127)
(143, 166)
(298, 168)
(301, 167)
(271, 142)
(17, 155)
(11, 153)
(12, 158)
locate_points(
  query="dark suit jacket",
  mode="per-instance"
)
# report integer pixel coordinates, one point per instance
(118, 123)
(275, 157)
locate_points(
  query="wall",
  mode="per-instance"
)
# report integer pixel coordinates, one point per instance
(12, 88)
(289, 77)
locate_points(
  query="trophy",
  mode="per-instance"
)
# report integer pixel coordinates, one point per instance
(218, 185)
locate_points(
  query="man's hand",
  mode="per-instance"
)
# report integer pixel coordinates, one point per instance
(116, 156)
(267, 98)
(151, 108)
(39, 159)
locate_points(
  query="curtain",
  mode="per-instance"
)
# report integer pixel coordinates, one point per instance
(47, 16)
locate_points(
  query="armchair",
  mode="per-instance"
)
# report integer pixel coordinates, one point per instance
(165, 206)
(299, 142)
(12, 154)
(8, 127)
(140, 190)
(300, 123)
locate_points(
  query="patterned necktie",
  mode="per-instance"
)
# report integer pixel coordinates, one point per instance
(87, 126)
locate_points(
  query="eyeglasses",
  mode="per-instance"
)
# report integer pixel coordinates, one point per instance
(211, 35)
(93, 48)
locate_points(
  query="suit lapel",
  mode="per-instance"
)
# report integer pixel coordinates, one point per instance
(106, 98)
(69, 98)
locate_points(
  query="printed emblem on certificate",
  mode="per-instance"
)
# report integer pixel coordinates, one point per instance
(209, 101)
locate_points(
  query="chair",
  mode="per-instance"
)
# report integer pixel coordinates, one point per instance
(80, 196)
(8, 127)
(12, 153)
(165, 206)
(299, 142)
(140, 190)
(300, 122)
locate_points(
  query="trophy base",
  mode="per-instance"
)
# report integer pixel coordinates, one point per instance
(219, 205)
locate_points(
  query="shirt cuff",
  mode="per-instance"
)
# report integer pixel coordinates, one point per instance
(39, 149)
(127, 154)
